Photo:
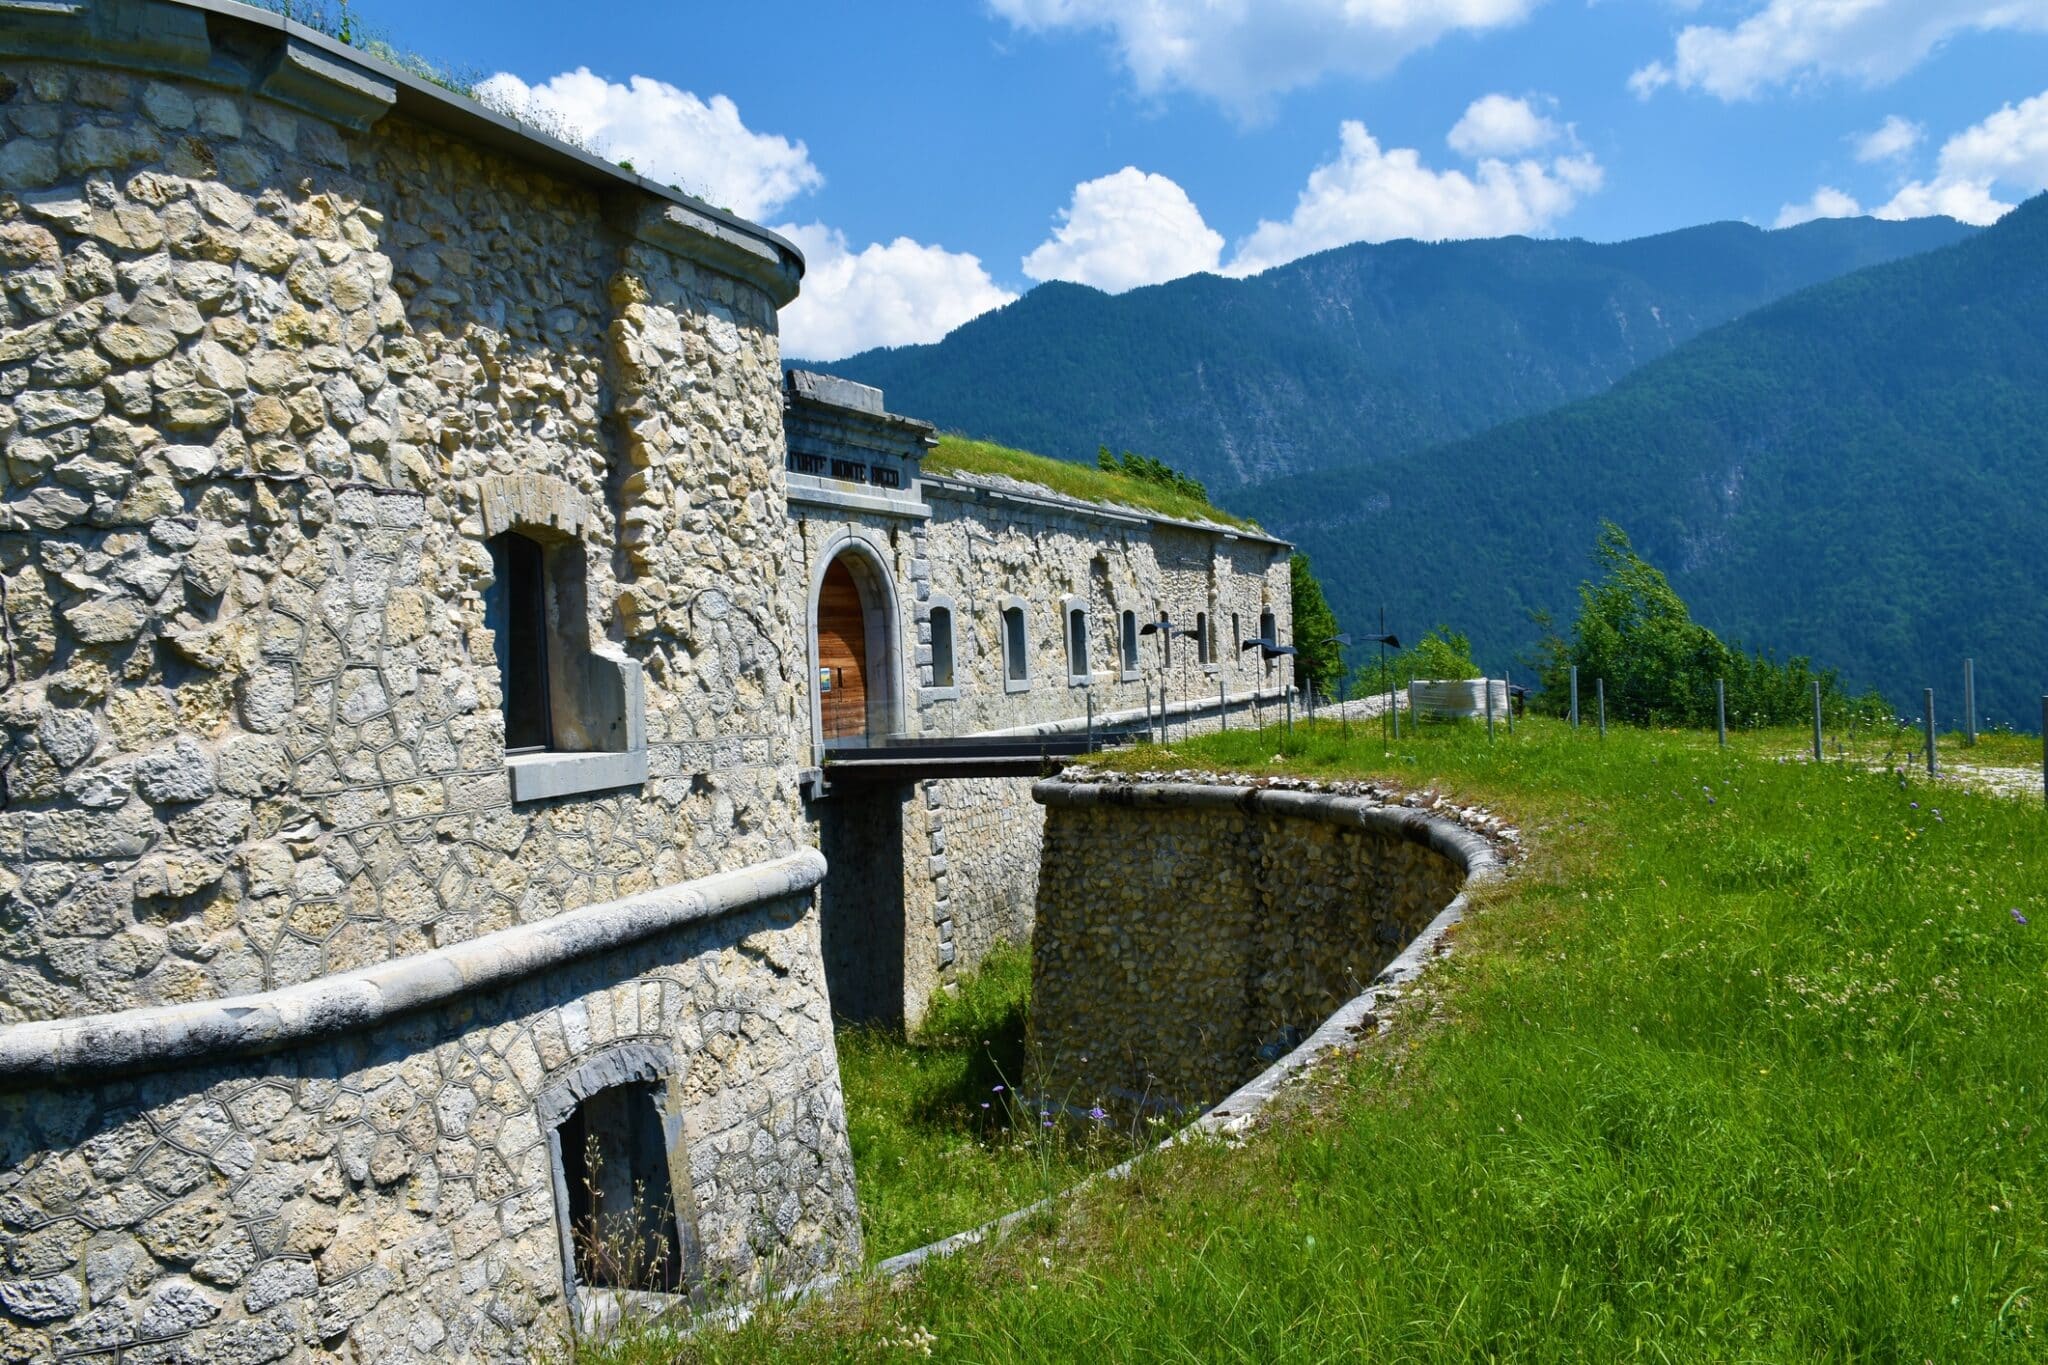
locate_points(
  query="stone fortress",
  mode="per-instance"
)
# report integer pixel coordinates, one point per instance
(431, 619)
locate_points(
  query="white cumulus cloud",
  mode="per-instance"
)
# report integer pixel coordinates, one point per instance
(1242, 53)
(1827, 202)
(1787, 41)
(1126, 230)
(2009, 149)
(1375, 194)
(894, 294)
(670, 135)
(1894, 138)
(1500, 125)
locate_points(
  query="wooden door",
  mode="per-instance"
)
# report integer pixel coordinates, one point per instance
(842, 656)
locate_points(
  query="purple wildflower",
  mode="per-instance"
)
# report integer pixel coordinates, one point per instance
(1915, 805)
(2017, 917)
(998, 1090)
(1098, 1113)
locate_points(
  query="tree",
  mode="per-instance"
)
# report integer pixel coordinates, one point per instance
(1318, 659)
(1635, 632)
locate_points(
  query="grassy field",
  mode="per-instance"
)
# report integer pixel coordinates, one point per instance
(940, 1140)
(959, 455)
(1744, 1063)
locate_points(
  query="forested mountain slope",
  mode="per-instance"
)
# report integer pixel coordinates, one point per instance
(1858, 472)
(1355, 354)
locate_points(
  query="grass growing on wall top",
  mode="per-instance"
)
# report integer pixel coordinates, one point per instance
(1745, 1062)
(959, 455)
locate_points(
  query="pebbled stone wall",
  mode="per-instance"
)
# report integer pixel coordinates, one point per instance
(1189, 937)
(279, 348)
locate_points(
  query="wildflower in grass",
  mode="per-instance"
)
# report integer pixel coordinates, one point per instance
(2017, 917)
(1098, 1113)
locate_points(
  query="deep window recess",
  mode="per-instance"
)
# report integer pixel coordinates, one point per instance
(942, 647)
(1268, 626)
(1130, 629)
(1201, 637)
(1077, 643)
(622, 1212)
(1236, 641)
(1016, 663)
(515, 609)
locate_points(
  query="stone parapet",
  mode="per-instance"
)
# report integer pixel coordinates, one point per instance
(1190, 936)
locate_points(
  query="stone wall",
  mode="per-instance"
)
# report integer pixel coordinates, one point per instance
(1187, 937)
(281, 343)
(989, 545)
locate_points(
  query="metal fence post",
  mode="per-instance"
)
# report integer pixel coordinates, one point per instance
(1600, 686)
(1575, 696)
(1970, 702)
(1290, 716)
(1487, 683)
(1816, 723)
(1507, 694)
(1222, 705)
(1927, 703)
(1721, 710)
(1089, 697)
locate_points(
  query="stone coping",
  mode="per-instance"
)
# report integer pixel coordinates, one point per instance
(99, 1045)
(351, 87)
(1003, 488)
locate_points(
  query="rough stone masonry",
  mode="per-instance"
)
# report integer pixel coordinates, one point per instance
(289, 345)
(411, 558)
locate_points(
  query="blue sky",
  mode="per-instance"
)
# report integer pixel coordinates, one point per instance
(936, 159)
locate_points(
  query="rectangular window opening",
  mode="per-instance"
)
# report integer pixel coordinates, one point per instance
(515, 609)
(1016, 662)
(942, 647)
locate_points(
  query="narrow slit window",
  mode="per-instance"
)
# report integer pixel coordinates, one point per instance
(1202, 637)
(942, 646)
(515, 609)
(1236, 641)
(1077, 643)
(1016, 661)
(1130, 633)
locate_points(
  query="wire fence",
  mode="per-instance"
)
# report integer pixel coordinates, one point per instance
(1845, 734)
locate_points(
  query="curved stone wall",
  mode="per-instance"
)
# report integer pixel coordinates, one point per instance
(1190, 936)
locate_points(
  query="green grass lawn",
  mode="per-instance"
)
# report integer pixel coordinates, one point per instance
(1745, 1062)
(940, 1141)
(959, 455)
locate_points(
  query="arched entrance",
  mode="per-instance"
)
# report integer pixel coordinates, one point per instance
(856, 683)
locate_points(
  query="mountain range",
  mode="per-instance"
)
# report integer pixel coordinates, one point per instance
(1857, 473)
(1831, 437)
(1356, 354)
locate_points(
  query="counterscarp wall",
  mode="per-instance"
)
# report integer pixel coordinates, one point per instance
(1189, 936)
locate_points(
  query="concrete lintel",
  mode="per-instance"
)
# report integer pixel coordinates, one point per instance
(811, 491)
(536, 777)
(243, 1025)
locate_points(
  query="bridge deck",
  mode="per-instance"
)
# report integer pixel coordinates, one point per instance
(913, 760)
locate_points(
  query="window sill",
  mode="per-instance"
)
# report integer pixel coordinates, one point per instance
(536, 777)
(1080, 679)
(951, 693)
(1016, 684)
(1128, 675)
